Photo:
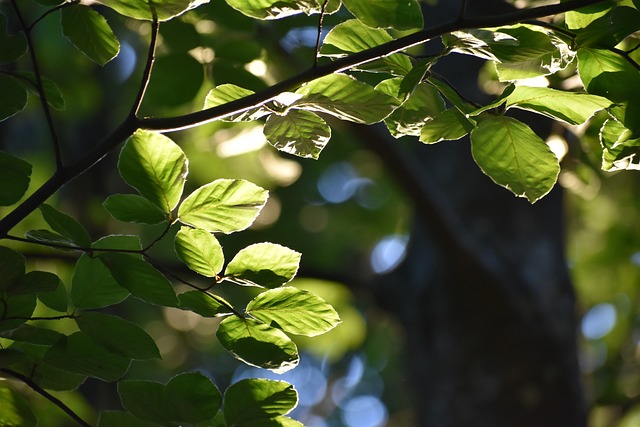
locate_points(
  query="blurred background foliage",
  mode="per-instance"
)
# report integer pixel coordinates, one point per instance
(343, 212)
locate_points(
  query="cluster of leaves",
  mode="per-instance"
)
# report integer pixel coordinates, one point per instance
(408, 98)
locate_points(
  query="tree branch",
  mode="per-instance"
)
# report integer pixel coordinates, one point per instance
(146, 75)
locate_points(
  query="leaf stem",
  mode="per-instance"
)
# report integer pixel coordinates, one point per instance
(50, 11)
(320, 22)
(35, 387)
(146, 74)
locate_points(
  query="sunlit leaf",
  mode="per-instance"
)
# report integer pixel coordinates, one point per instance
(254, 399)
(226, 93)
(620, 151)
(14, 97)
(155, 166)
(15, 175)
(15, 409)
(224, 205)
(133, 208)
(401, 15)
(199, 250)
(258, 344)
(301, 133)
(90, 33)
(607, 31)
(204, 304)
(65, 225)
(276, 9)
(514, 157)
(279, 421)
(264, 264)
(295, 311)
(449, 125)
(148, 9)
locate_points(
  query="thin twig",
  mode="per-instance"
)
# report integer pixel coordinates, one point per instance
(35, 387)
(146, 74)
(39, 86)
(319, 36)
(626, 56)
(50, 11)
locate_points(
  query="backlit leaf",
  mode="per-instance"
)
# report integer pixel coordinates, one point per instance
(449, 125)
(15, 175)
(226, 93)
(276, 9)
(90, 33)
(204, 304)
(254, 399)
(401, 15)
(264, 264)
(148, 9)
(199, 250)
(15, 409)
(301, 133)
(133, 208)
(620, 151)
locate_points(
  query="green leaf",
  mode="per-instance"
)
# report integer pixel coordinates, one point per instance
(14, 97)
(608, 30)
(133, 208)
(346, 98)
(401, 15)
(12, 267)
(9, 356)
(51, 90)
(226, 93)
(57, 300)
(620, 151)
(204, 304)
(514, 157)
(279, 421)
(90, 33)
(15, 175)
(164, 10)
(171, 71)
(353, 36)
(449, 125)
(258, 344)
(34, 282)
(48, 236)
(224, 205)
(276, 9)
(146, 400)
(33, 335)
(93, 286)
(122, 419)
(15, 310)
(15, 409)
(582, 17)
(295, 311)
(52, 378)
(12, 46)
(66, 226)
(255, 399)
(264, 264)
(199, 250)
(78, 354)
(298, 132)
(140, 278)
(155, 166)
(118, 336)
(450, 94)
(571, 107)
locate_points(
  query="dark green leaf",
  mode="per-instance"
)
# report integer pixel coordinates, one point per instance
(258, 344)
(401, 15)
(264, 264)
(12, 46)
(449, 125)
(175, 81)
(147, 9)
(199, 250)
(15, 175)
(204, 304)
(12, 267)
(48, 236)
(33, 335)
(65, 225)
(51, 378)
(93, 286)
(118, 336)
(14, 97)
(224, 205)
(146, 400)
(122, 419)
(194, 397)
(607, 31)
(514, 156)
(226, 93)
(78, 354)
(121, 242)
(90, 33)
(276, 9)
(34, 282)
(155, 166)
(298, 132)
(254, 399)
(9, 356)
(140, 278)
(15, 409)
(15, 310)
(57, 300)
(51, 90)
(133, 208)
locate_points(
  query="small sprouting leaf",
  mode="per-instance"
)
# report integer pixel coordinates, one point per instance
(15, 175)
(12, 267)
(199, 250)
(155, 166)
(401, 15)
(147, 9)
(346, 98)
(117, 335)
(276, 9)
(254, 399)
(264, 264)
(66, 226)
(15, 409)
(226, 93)
(12, 47)
(295, 311)
(449, 125)
(90, 33)
(204, 304)
(514, 157)
(122, 419)
(140, 278)
(34, 282)
(93, 286)
(571, 107)
(14, 96)
(78, 354)
(16, 310)
(133, 208)
(224, 205)
(301, 133)
(258, 344)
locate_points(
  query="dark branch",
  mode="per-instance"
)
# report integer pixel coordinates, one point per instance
(146, 74)
(320, 22)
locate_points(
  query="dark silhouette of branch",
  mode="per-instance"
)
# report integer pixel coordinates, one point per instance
(151, 57)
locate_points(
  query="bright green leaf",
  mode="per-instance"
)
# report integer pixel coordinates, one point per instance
(264, 264)
(12, 46)
(514, 157)
(155, 166)
(295, 311)
(93, 286)
(15, 409)
(254, 399)
(90, 33)
(204, 304)
(276, 9)
(301, 133)
(620, 151)
(582, 17)
(279, 421)
(133, 208)
(449, 125)
(224, 205)
(258, 344)
(78, 354)
(226, 93)
(140, 278)
(199, 250)
(15, 175)
(12, 267)
(118, 336)
(401, 15)
(65, 225)
(14, 97)
(148, 9)
(607, 31)
(346, 98)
